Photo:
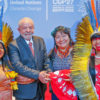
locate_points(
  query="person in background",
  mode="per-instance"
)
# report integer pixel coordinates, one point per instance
(28, 57)
(7, 76)
(61, 56)
(6, 83)
(94, 67)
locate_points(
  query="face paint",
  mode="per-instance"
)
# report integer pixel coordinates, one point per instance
(98, 44)
(97, 48)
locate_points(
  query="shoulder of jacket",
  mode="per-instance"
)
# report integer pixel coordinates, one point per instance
(14, 43)
(37, 38)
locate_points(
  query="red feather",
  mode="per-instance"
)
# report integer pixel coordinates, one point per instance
(94, 12)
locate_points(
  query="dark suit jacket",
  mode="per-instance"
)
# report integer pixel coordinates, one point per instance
(28, 65)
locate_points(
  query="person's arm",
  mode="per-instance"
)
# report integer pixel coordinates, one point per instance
(24, 70)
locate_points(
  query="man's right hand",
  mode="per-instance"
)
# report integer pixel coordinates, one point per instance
(44, 77)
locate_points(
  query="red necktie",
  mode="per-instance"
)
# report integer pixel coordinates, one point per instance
(32, 50)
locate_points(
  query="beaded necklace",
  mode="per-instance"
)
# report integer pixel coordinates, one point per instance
(61, 53)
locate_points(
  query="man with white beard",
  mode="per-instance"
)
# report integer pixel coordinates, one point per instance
(28, 56)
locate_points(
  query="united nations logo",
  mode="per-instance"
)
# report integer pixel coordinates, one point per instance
(4, 4)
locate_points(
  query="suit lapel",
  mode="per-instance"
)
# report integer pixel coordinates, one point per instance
(35, 48)
(24, 46)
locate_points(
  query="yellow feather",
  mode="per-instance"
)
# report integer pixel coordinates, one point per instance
(7, 35)
(79, 69)
(99, 29)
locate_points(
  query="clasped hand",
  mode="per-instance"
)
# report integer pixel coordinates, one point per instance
(44, 77)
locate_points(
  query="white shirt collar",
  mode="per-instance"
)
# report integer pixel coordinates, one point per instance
(29, 41)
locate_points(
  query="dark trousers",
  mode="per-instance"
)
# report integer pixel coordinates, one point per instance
(54, 97)
(23, 99)
(36, 98)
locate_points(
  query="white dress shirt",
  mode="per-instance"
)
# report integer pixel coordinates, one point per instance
(30, 41)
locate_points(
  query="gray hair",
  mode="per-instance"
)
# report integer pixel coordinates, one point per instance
(25, 19)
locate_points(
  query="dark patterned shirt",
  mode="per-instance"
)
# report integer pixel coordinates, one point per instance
(62, 63)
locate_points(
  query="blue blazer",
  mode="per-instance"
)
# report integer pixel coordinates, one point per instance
(24, 63)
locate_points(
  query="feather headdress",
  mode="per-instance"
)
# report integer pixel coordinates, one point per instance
(6, 34)
(82, 49)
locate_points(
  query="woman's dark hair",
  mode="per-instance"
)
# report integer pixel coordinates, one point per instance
(62, 29)
(5, 59)
(95, 35)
